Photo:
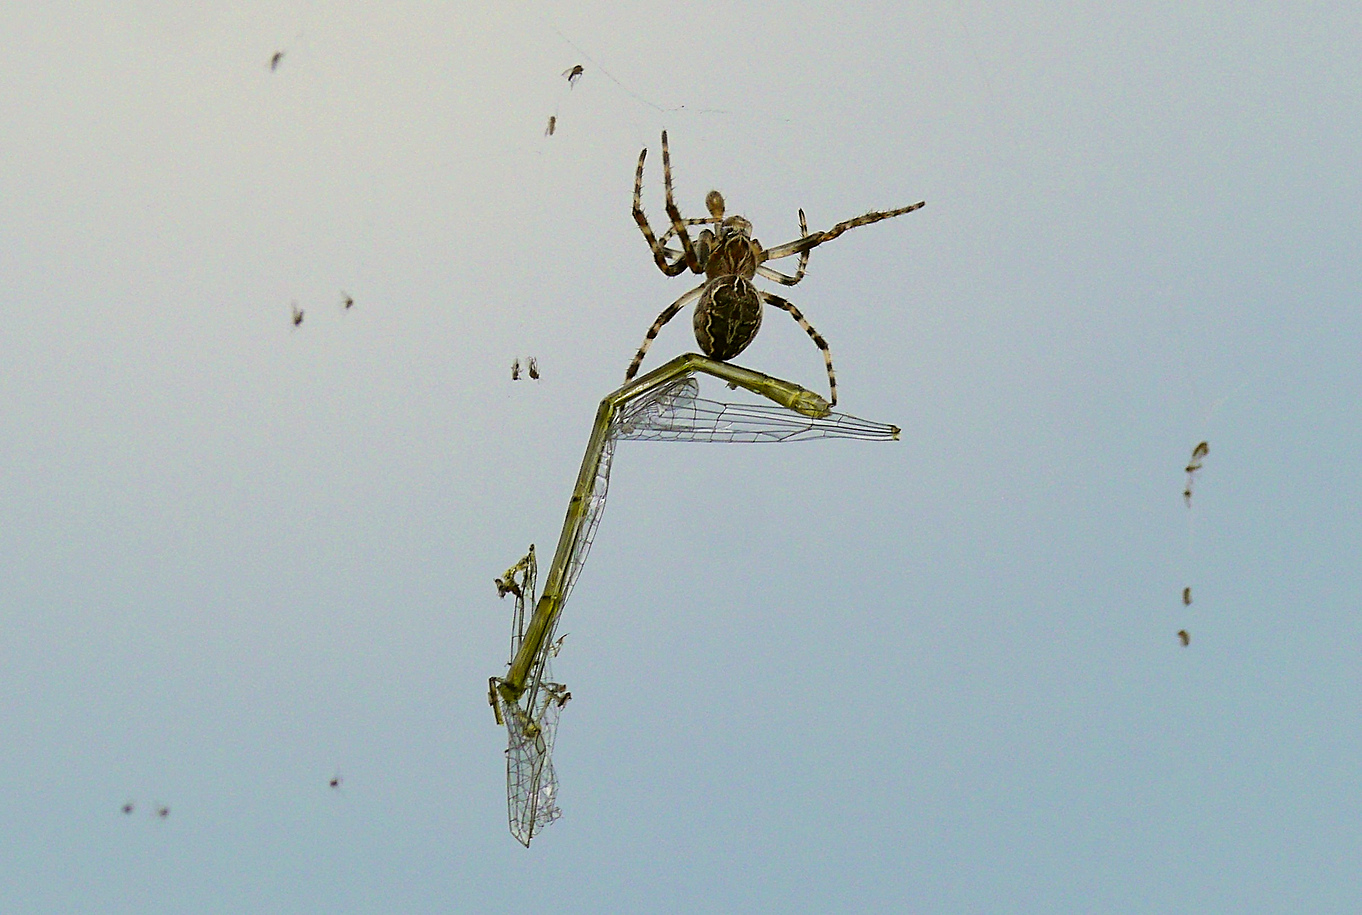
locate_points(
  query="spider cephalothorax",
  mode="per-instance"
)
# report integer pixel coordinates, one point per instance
(728, 310)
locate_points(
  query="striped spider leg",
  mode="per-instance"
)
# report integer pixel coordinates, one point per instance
(729, 307)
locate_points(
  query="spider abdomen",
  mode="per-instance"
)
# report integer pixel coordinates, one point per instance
(727, 317)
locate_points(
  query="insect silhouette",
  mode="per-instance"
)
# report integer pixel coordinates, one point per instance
(515, 369)
(1187, 597)
(163, 812)
(1199, 452)
(534, 369)
(127, 808)
(349, 302)
(573, 74)
(335, 780)
(274, 61)
(297, 315)
(553, 125)
(1186, 639)
(729, 307)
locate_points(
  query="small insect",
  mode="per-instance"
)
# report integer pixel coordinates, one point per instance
(127, 808)
(573, 74)
(1186, 639)
(297, 315)
(335, 780)
(534, 368)
(348, 300)
(563, 699)
(728, 305)
(1199, 452)
(1187, 597)
(515, 369)
(557, 646)
(553, 125)
(274, 61)
(163, 812)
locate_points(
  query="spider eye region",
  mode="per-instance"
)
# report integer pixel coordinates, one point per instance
(727, 316)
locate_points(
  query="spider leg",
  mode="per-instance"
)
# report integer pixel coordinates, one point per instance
(814, 335)
(659, 253)
(678, 224)
(667, 314)
(817, 238)
(697, 221)
(781, 278)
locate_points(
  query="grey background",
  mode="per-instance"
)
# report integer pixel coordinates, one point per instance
(238, 557)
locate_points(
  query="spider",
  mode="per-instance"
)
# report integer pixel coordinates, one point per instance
(728, 313)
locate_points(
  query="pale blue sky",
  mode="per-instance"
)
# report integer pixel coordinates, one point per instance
(940, 675)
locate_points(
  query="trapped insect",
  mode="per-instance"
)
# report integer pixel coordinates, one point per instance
(534, 368)
(729, 307)
(1186, 639)
(553, 125)
(349, 302)
(274, 61)
(297, 314)
(573, 74)
(1187, 597)
(127, 808)
(515, 369)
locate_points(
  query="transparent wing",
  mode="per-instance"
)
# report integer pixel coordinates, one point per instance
(679, 414)
(531, 784)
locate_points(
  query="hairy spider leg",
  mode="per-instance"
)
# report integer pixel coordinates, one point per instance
(678, 224)
(781, 278)
(814, 335)
(659, 253)
(667, 314)
(812, 241)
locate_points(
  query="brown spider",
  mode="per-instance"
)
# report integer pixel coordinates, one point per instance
(728, 313)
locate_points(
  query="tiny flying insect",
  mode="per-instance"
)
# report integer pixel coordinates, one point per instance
(1186, 639)
(573, 74)
(297, 314)
(553, 125)
(1199, 452)
(127, 807)
(1187, 597)
(534, 368)
(515, 369)
(335, 780)
(274, 61)
(163, 812)
(348, 300)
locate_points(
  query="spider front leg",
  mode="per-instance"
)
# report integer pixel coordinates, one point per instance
(667, 314)
(659, 252)
(814, 335)
(809, 242)
(781, 278)
(678, 224)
